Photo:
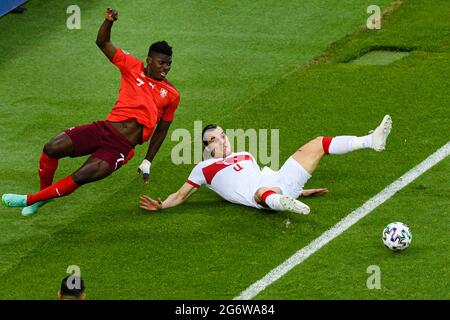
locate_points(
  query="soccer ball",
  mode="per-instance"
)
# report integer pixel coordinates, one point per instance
(396, 236)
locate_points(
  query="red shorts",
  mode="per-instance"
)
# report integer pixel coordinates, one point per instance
(101, 140)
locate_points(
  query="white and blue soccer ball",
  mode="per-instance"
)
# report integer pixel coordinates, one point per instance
(396, 236)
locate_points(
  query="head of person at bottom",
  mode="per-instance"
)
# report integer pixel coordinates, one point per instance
(72, 288)
(215, 142)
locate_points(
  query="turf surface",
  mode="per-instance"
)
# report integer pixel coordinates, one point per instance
(380, 57)
(242, 65)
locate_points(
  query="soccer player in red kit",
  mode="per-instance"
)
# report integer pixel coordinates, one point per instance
(145, 106)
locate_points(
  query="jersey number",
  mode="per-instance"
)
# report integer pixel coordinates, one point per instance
(237, 167)
(140, 82)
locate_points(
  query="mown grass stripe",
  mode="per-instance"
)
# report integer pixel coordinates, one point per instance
(304, 253)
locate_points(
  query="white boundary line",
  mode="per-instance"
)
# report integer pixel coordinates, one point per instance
(344, 224)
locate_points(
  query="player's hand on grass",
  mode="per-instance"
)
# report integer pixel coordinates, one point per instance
(147, 203)
(314, 192)
(144, 168)
(111, 14)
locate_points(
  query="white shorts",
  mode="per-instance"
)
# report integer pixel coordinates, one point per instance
(291, 178)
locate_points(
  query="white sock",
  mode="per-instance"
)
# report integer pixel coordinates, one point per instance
(346, 144)
(362, 142)
(273, 202)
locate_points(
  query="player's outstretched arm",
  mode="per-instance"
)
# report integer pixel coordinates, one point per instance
(314, 192)
(173, 200)
(104, 34)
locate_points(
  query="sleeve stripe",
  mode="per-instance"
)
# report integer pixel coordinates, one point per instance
(193, 184)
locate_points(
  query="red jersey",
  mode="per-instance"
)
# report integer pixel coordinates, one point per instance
(141, 97)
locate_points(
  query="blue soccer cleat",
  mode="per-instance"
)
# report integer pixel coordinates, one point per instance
(33, 209)
(14, 200)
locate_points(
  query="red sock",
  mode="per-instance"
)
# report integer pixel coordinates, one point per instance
(47, 168)
(326, 141)
(265, 195)
(60, 188)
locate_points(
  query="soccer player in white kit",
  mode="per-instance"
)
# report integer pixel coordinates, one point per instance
(237, 177)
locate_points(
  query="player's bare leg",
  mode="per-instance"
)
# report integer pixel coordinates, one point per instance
(272, 198)
(310, 154)
(59, 147)
(92, 170)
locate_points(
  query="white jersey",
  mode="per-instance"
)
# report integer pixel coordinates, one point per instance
(235, 178)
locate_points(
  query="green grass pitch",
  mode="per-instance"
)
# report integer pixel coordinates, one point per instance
(254, 64)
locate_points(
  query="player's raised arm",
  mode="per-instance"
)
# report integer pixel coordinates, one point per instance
(173, 200)
(104, 34)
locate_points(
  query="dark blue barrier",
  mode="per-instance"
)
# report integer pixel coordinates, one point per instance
(8, 5)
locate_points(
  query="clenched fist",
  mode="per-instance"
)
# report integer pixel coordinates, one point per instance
(111, 14)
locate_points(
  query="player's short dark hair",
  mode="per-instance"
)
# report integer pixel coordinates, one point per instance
(208, 127)
(160, 47)
(75, 292)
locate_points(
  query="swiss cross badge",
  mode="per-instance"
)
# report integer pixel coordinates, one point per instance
(163, 93)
